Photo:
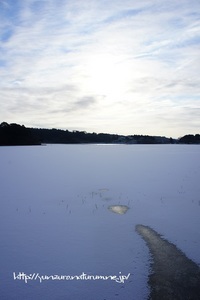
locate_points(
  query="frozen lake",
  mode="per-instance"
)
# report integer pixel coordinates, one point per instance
(56, 217)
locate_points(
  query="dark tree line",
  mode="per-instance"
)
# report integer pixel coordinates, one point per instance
(58, 136)
(14, 134)
(190, 139)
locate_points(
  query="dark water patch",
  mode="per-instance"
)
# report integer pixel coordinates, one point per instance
(174, 276)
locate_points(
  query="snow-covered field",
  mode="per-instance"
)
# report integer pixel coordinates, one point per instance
(55, 217)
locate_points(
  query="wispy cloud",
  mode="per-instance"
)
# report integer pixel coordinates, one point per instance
(131, 66)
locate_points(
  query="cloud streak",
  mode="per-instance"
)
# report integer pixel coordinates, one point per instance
(131, 65)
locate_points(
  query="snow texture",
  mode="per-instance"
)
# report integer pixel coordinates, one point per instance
(55, 217)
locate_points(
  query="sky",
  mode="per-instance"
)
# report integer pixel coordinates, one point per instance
(125, 67)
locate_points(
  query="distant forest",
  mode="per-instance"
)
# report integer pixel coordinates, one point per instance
(15, 134)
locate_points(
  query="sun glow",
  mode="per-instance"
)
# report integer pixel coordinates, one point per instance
(108, 75)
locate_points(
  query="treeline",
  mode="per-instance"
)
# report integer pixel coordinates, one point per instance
(58, 136)
(15, 134)
(190, 139)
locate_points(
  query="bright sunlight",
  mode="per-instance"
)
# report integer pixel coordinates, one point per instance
(108, 75)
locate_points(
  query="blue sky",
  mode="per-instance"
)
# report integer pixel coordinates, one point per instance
(126, 67)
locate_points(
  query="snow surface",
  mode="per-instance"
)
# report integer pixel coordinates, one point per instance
(54, 216)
